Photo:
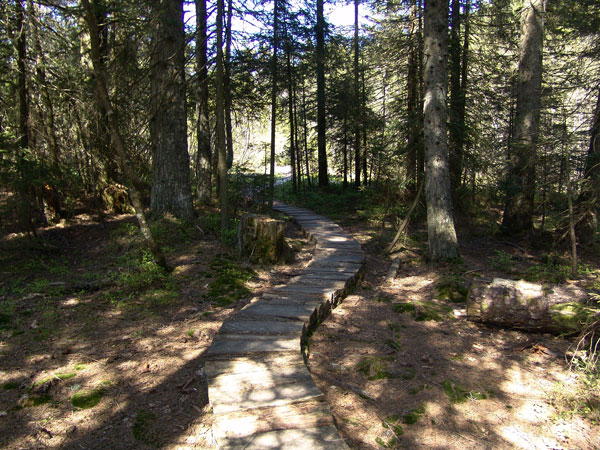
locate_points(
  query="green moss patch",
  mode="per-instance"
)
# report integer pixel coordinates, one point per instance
(405, 307)
(229, 283)
(37, 400)
(452, 288)
(572, 316)
(88, 399)
(413, 416)
(458, 394)
(143, 427)
(374, 368)
(390, 423)
(9, 385)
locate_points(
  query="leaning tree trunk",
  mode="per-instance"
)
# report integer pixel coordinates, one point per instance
(518, 212)
(530, 306)
(105, 106)
(440, 223)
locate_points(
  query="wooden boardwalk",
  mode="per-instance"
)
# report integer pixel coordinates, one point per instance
(259, 387)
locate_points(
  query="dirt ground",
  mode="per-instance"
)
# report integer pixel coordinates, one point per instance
(97, 351)
(129, 348)
(395, 382)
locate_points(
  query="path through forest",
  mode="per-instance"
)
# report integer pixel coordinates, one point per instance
(260, 390)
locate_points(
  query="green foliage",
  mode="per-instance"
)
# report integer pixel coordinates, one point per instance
(404, 307)
(394, 344)
(9, 385)
(88, 399)
(229, 283)
(37, 400)
(391, 423)
(423, 311)
(143, 427)
(501, 261)
(452, 288)
(458, 394)
(413, 416)
(212, 222)
(374, 368)
(555, 271)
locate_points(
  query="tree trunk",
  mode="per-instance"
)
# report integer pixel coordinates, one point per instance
(363, 106)
(518, 212)
(440, 223)
(204, 157)
(412, 106)
(290, 81)
(589, 197)
(273, 100)
(357, 103)
(220, 122)
(23, 93)
(345, 150)
(455, 125)
(321, 119)
(104, 104)
(530, 306)
(305, 136)
(40, 68)
(227, 86)
(171, 190)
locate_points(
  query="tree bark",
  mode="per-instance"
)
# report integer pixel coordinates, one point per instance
(305, 136)
(204, 157)
(321, 119)
(227, 85)
(412, 104)
(273, 100)
(290, 81)
(40, 68)
(357, 102)
(518, 212)
(22, 89)
(440, 223)
(456, 122)
(220, 121)
(171, 190)
(105, 106)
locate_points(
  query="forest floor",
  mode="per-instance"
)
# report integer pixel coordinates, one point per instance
(99, 349)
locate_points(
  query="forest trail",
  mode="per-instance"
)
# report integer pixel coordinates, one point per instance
(259, 386)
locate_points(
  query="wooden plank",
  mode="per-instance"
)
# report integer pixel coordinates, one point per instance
(234, 326)
(280, 362)
(319, 438)
(242, 424)
(242, 398)
(222, 345)
(296, 312)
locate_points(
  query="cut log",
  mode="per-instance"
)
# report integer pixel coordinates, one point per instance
(261, 239)
(531, 307)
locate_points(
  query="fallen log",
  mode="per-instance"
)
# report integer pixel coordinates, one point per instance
(528, 306)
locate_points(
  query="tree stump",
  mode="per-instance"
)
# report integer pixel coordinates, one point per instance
(530, 306)
(261, 238)
(116, 199)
